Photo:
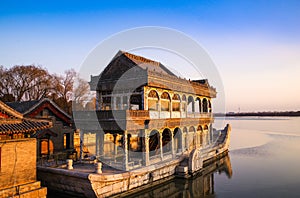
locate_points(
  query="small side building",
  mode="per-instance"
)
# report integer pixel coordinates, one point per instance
(60, 138)
(18, 154)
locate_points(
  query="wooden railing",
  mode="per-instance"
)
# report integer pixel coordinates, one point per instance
(137, 114)
(111, 115)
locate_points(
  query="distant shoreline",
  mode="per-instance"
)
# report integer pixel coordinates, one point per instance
(261, 114)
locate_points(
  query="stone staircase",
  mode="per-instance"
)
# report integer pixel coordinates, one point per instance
(28, 190)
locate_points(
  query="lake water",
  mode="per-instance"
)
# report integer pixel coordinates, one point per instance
(265, 162)
(265, 159)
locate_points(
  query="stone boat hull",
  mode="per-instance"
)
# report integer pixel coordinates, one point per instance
(84, 184)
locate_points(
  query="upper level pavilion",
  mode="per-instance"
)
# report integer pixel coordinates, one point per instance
(132, 82)
(145, 114)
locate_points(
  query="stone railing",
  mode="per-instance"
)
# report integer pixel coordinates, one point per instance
(53, 160)
(164, 115)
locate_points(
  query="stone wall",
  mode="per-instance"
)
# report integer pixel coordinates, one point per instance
(18, 162)
(62, 180)
(103, 185)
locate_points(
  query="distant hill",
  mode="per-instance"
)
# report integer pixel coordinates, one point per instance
(284, 113)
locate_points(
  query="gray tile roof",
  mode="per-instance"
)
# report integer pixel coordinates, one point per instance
(22, 107)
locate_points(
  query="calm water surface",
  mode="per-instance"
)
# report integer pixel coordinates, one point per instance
(265, 159)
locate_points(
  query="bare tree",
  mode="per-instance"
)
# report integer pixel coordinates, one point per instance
(22, 83)
(81, 91)
(5, 85)
(26, 82)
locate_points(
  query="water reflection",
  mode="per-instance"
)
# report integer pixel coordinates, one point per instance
(201, 185)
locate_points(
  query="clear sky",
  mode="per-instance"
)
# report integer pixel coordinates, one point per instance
(254, 44)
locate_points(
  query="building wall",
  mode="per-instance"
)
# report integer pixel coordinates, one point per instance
(18, 162)
(58, 141)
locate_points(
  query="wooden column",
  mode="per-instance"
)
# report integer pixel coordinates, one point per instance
(128, 102)
(81, 133)
(125, 147)
(99, 143)
(114, 102)
(145, 96)
(101, 149)
(121, 102)
(48, 146)
(115, 145)
(100, 102)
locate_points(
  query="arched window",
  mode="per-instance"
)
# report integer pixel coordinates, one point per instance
(165, 101)
(205, 105)
(166, 140)
(198, 105)
(209, 106)
(154, 144)
(177, 140)
(191, 107)
(153, 100)
(176, 102)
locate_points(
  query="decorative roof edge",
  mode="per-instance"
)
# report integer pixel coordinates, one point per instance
(10, 110)
(51, 102)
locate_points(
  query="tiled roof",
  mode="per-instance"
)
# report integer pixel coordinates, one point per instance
(15, 123)
(146, 63)
(9, 126)
(26, 107)
(22, 107)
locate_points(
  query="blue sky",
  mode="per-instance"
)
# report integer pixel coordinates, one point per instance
(255, 44)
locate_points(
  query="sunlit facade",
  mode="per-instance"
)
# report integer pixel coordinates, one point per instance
(145, 114)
